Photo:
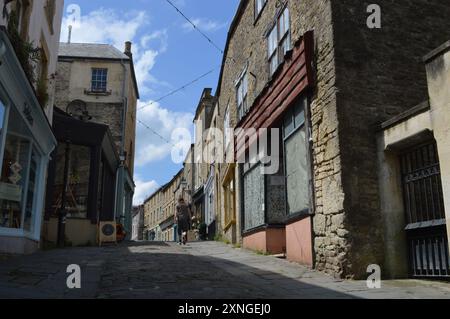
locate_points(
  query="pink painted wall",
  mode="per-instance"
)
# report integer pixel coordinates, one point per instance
(276, 240)
(268, 241)
(256, 241)
(299, 242)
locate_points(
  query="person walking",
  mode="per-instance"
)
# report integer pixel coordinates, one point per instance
(182, 219)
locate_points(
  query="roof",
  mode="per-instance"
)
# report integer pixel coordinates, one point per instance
(96, 51)
(235, 22)
(91, 50)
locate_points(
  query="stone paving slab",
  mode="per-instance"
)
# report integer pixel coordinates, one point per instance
(196, 271)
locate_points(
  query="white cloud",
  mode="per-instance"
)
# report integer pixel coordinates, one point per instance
(112, 27)
(204, 25)
(150, 146)
(143, 190)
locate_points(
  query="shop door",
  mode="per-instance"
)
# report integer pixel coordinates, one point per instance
(426, 228)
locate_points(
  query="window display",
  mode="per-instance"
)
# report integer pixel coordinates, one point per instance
(78, 180)
(15, 168)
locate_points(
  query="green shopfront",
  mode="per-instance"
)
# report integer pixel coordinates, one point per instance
(26, 140)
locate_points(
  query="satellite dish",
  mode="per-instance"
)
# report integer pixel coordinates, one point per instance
(78, 109)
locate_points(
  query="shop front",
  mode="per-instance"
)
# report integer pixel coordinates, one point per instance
(81, 181)
(26, 141)
(278, 206)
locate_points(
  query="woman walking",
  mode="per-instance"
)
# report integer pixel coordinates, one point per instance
(182, 218)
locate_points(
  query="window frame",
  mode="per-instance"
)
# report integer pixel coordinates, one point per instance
(278, 53)
(242, 84)
(285, 138)
(257, 13)
(95, 89)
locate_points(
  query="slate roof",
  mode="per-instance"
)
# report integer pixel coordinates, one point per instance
(90, 50)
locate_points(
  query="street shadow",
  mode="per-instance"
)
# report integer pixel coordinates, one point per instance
(157, 270)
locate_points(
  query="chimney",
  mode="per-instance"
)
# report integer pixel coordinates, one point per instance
(128, 49)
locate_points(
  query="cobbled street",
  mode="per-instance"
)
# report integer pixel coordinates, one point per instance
(198, 270)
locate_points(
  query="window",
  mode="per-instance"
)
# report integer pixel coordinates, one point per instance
(78, 180)
(296, 159)
(259, 5)
(226, 127)
(279, 41)
(241, 95)
(50, 11)
(229, 201)
(18, 176)
(99, 80)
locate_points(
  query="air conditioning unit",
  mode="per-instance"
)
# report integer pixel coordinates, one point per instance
(107, 233)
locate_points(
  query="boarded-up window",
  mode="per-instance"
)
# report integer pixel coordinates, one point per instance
(296, 158)
(254, 198)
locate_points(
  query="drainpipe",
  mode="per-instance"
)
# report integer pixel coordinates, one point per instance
(120, 212)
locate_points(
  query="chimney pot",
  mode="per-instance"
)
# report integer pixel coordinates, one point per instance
(128, 48)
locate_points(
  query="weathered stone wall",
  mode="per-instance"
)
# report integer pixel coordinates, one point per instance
(249, 44)
(74, 77)
(379, 74)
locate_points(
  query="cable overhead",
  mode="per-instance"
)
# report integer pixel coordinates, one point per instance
(179, 89)
(195, 27)
(155, 133)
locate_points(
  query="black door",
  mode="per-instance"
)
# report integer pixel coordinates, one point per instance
(425, 215)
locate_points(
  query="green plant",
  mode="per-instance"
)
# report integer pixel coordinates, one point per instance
(25, 51)
(42, 92)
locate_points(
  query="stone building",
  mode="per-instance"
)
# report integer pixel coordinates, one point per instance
(202, 122)
(153, 215)
(316, 72)
(159, 211)
(27, 82)
(97, 82)
(138, 223)
(414, 178)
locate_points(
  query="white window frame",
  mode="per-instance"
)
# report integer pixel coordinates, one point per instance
(259, 6)
(242, 91)
(282, 31)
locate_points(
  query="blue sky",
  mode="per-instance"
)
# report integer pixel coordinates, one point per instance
(168, 54)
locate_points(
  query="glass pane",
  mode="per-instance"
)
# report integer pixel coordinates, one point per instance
(297, 172)
(273, 64)
(14, 172)
(299, 114)
(288, 124)
(273, 41)
(78, 180)
(31, 194)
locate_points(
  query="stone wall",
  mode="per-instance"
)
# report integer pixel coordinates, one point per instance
(73, 78)
(379, 74)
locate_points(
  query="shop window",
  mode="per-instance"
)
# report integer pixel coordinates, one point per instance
(99, 80)
(296, 159)
(279, 41)
(78, 180)
(31, 193)
(14, 173)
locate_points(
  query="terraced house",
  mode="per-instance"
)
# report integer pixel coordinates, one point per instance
(317, 73)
